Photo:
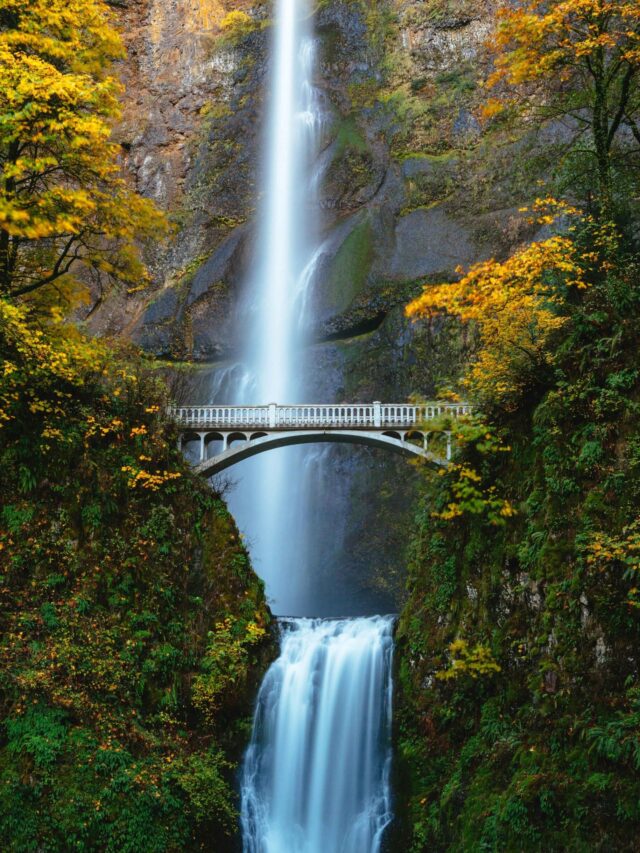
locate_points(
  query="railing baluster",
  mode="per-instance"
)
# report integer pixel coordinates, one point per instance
(307, 416)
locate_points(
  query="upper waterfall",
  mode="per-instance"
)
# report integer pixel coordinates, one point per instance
(271, 501)
(284, 261)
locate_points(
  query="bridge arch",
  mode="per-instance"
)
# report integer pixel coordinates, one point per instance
(388, 441)
(235, 438)
(393, 434)
(414, 436)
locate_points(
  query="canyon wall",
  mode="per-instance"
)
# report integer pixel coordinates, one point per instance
(403, 201)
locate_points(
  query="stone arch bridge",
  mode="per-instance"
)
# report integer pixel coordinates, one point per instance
(225, 435)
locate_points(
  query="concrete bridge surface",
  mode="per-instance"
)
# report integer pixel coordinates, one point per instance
(226, 435)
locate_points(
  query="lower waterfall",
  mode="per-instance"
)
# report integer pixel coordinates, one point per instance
(316, 774)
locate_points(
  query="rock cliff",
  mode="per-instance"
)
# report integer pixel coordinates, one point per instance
(403, 200)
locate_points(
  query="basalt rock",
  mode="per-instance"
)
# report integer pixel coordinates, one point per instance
(398, 204)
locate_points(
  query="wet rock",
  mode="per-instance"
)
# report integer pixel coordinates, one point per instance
(466, 125)
(219, 267)
(163, 308)
(429, 242)
(212, 333)
(158, 341)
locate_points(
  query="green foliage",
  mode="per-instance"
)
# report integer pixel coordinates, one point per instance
(204, 779)
(124, 586)
(225, 664)
(540, 749)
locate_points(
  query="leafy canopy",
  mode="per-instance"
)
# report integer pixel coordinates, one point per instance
(578, 59)
(63, 201)
(516, 306)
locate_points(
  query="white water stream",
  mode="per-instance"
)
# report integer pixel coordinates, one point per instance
(272, 499)
(316, 776)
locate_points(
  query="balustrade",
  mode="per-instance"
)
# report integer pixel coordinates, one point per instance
(313, 416)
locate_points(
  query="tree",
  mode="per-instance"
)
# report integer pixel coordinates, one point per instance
(63, 202)
(583, 56)
(516, 305)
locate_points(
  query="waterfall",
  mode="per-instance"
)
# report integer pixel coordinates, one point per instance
(271, 500)
(316, 774)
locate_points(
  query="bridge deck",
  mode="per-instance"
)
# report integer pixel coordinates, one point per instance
(316, 416)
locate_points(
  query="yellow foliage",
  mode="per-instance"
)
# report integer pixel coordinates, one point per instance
(138, 477)
(237, 24)
(463, 660)
(62, 199)
(236, 19)
(59, 358)
(469, 496)
(540, 39)
(492, 107)
(516, 306)
(611, 552)
(579, 58)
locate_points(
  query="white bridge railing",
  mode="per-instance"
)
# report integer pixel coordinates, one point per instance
(352, 415)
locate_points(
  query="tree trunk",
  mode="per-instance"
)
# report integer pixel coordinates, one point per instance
(6, 260)
(601, 140)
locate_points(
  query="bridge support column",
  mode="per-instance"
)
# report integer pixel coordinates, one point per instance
(377, 413)
(272, 415)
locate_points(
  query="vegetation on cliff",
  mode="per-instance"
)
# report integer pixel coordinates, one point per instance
(132, 628)
(131, 623)
(525, 556)
(63, 201)
(519, 724)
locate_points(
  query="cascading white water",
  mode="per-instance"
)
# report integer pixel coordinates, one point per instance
(269, 501)
(282, 224)
(316, 775)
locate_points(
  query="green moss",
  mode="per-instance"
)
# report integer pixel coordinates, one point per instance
(133, 630)
(349, 136)
(350, 267)
(444, 157)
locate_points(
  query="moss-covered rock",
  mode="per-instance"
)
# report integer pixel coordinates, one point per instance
(133, 631)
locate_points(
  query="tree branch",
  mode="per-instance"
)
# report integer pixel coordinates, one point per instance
(622, 106)
(61, 267)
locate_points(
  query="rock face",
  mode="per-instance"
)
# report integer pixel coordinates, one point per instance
(399, 202)
(190, 135)
(186, 113)
(172, 72)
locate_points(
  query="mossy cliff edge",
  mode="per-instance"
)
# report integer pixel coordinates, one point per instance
(133, 631)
